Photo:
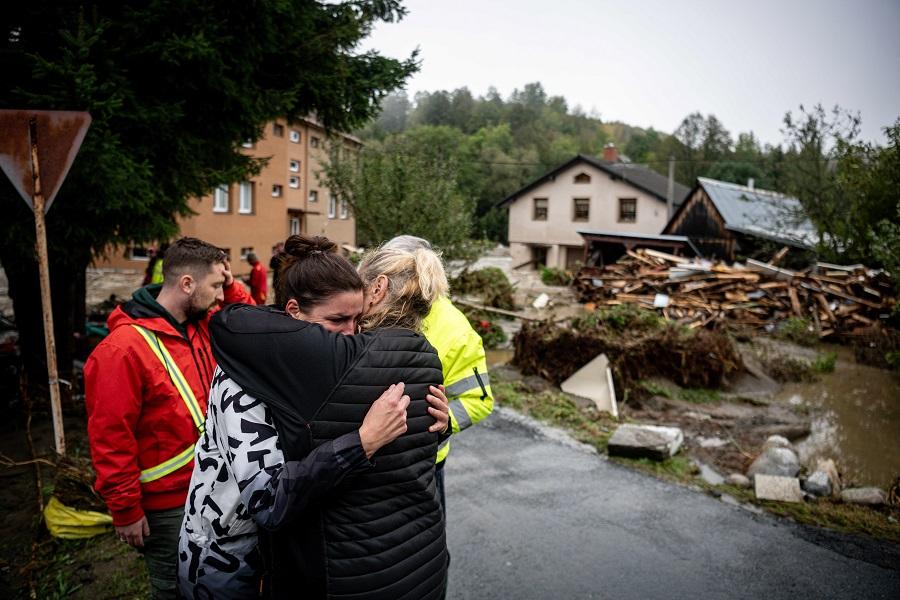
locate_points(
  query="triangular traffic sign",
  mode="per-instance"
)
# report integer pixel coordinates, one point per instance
(59, 136)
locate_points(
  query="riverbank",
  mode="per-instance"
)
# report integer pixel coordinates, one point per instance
(723, 435)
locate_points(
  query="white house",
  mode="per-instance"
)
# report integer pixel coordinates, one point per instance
(585, 193)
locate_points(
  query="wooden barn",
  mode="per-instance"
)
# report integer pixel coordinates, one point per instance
(725, 220)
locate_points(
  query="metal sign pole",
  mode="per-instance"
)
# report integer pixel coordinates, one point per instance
(44, 268)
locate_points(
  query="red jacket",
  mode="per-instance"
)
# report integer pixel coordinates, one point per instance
(258, 283)
(136, 418)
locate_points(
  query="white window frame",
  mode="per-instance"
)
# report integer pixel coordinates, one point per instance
(294, 226)
(245, 202)
(144, 257)
(277, 190)
(221, 199)
(294, 166)
(294, 182)
(313, 142)
(345, 209)
(247, 144)
(332, 206)
(245, 251)
(294, 136)
(313, 195)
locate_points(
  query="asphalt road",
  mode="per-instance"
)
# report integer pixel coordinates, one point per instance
(533, 515)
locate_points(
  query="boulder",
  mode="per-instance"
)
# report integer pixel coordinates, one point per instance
(775, 460)
(828, 467)
(817, 484)
(780, 489)
(871, 496)
(778, 441)
(645, 441)
(738, 480)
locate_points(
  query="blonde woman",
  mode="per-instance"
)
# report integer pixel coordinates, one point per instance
(379, 533)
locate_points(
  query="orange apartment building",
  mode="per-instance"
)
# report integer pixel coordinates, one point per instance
(284, 199)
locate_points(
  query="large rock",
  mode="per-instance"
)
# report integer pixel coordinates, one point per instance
(825, 481)
(645, 441)
(871, 496)
(818, 484)
(775, 460)
(777, 441)
(781, 489)
(736, 479)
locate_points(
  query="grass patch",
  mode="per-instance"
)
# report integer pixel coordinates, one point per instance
(555, 408)
(655, 389)
(678, 468)
(848, 518)
(700, 395)
(555, 276)
(824, 363)
(97, 568)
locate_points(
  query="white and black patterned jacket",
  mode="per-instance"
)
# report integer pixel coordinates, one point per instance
(241, 482)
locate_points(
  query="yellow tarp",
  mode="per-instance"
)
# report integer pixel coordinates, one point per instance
(71, 524)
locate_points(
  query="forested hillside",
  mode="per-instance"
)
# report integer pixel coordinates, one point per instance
(484, 148)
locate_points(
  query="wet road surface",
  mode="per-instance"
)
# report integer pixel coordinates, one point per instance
(532, 515)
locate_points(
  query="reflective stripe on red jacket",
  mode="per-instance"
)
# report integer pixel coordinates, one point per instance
(136, 418)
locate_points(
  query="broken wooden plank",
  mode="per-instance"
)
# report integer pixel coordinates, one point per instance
(795, 302)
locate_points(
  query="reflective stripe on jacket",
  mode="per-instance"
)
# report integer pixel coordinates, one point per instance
(137, 420)
(465, 367)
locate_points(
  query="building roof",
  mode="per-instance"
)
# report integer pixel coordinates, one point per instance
(646, 237)
(636, 175)
(761, 213)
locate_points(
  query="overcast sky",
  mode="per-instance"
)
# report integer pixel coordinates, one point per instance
(651, 62)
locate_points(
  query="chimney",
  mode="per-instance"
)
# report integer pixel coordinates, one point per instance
(610, 153)
(750, 183)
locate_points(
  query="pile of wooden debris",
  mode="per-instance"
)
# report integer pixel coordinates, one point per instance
(836, 299)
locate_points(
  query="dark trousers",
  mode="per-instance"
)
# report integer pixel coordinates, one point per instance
(161, 551)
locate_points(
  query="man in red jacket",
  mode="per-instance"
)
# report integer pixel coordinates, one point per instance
(258, 280)
(146, 387)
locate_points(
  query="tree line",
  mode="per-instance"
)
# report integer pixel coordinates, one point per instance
(484, 148)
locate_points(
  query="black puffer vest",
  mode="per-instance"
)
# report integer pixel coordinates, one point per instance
(380, 534)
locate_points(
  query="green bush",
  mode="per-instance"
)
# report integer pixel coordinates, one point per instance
(492, 335)
(798, 330)
(824, 363)
(620, 318)
(490, 284)
(554, 276)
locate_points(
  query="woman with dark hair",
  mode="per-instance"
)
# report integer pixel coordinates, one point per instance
(379, 532)
(242, 479)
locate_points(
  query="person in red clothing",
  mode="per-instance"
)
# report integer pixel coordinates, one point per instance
(257, 280)
(146, 387)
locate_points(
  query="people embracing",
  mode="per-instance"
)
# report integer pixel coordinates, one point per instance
(146, 386)
(317, 464)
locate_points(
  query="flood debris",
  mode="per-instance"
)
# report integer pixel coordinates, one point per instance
(837, 299)
(594, 381)
(645, 441)
(637, 347)
(778, 488)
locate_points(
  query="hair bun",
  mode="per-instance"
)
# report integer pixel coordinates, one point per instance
(303, 246)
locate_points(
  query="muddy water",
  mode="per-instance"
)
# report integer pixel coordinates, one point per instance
(498, 357)
(855, 415)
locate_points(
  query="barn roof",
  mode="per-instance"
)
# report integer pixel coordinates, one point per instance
(760, 213)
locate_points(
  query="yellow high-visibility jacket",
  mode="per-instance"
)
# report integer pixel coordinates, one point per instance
(465, 367)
